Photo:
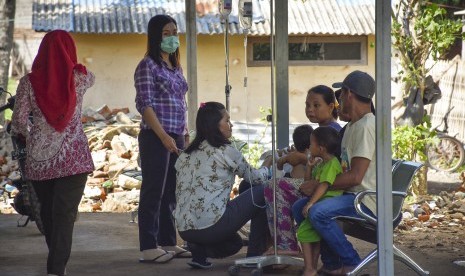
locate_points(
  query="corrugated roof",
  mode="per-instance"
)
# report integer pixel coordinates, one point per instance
(320, 17)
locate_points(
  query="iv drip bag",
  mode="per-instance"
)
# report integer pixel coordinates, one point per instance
(245, 13)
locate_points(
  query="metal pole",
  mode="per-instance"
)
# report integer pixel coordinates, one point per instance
(273, 120)
(383, 138)
(282, 75)
(191, 49)
(263, 261)
(227, 88)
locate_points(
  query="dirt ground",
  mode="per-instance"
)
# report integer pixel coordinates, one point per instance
(107, 244)
(445, 243)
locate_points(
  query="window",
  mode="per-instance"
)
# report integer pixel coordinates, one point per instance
(341, 50)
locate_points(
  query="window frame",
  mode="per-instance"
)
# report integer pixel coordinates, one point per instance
(363, 40)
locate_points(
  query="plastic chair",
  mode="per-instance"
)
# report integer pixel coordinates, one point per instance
(365, 228)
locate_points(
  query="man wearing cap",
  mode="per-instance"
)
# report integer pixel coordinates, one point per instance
(358, 160)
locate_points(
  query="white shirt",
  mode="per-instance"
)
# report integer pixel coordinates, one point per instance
(360, 141)
(204, 181)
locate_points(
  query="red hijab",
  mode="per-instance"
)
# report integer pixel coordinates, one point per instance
(52, 78)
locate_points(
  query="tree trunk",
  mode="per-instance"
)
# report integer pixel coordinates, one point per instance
(7, 15)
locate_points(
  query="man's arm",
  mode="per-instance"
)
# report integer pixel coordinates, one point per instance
(353, 177)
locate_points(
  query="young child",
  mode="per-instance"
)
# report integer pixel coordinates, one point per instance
(293, 175)
(301, 139)
(322, 166)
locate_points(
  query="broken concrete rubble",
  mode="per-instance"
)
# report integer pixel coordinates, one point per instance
(112, 136)
(435, 211)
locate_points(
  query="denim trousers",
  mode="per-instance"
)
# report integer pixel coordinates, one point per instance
(297, 208)
(336, 250)
(157, 194)
(59, 200)
(221, 239)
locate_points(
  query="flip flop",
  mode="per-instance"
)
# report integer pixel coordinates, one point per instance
(178, 252)
(181, 254)
(156, 260)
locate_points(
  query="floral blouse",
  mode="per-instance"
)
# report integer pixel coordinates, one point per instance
(204, 181)
(52, 154)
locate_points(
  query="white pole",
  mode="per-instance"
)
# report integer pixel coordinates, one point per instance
(383, 138)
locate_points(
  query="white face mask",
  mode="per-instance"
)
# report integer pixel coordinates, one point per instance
(169, 44)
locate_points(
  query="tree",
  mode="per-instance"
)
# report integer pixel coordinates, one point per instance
(7, 15)
(420, 31)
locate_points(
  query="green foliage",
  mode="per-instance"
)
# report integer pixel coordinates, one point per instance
(421, 31)
(435, 27)
(452, 3)
(409, 143)
(253, 151)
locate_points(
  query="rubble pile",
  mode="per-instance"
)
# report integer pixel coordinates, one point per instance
(445, 210)
(114, 184)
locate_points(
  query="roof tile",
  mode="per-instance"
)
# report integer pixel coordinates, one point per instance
(320, 17)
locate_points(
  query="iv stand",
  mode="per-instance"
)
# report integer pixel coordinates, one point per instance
(275, 259)
(227, 88)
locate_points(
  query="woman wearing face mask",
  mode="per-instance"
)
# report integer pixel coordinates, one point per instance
(160, 99)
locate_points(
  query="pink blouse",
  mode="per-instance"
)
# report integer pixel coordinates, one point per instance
(52, 154)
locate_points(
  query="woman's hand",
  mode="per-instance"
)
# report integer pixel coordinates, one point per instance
(169, 143)
(308, 187)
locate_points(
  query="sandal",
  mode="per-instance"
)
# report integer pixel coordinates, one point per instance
(178, 252)
(159, 259)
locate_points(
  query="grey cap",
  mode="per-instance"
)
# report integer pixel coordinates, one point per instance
(359, 83)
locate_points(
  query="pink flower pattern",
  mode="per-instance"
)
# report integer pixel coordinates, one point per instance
(287, 193)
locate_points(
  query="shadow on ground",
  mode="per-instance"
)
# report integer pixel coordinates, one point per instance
(107, 244)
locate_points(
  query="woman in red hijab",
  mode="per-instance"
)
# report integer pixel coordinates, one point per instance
(58, 156)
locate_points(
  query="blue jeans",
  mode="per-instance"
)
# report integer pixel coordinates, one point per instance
(336, 250)
(297, 208)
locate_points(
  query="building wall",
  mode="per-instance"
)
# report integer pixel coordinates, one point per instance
(113, 59)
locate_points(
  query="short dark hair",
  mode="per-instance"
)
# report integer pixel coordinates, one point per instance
(154, 38)
(301, 137)
(328, 96)
(209, 116)
(328, 138)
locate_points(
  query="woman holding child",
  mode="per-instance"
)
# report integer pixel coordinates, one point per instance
(321, 108)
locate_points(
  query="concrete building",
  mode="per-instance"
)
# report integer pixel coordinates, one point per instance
(327, 40)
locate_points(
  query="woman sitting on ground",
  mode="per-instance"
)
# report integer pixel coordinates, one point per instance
(205, 216)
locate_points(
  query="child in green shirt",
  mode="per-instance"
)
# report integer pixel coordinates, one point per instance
(323, 166)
